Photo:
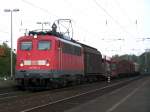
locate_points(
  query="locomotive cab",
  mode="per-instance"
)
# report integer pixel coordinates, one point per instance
(35, 58)
(34, 53)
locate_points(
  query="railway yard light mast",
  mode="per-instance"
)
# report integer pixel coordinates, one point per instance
(11, 11)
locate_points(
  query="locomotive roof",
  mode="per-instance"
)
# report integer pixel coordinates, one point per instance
(70, 42)
(89, 48)
(84, 45)
(61, 39)
(60, 36)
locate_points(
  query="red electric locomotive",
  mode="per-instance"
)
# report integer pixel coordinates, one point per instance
(45, 59)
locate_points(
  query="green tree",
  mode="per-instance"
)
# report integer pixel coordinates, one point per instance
(133, 58)
(5, 61)
(144, 60)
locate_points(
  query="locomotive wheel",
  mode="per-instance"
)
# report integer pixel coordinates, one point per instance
(55, 85)
(49, 85)
(90, 80)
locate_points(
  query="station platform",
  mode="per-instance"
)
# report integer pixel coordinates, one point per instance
(134, 97)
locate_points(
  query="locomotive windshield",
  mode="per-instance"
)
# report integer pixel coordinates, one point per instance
(44, 45)
(26, 45)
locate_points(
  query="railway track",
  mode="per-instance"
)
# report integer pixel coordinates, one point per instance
(6, 94)
(77, 99)
(59, 98)
(9, 95)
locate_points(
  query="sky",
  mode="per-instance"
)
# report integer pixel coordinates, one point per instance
(111, 26)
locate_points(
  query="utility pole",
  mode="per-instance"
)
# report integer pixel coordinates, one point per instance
(11, 30)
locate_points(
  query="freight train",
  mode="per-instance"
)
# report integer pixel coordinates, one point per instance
(124, 68)
(47, 59)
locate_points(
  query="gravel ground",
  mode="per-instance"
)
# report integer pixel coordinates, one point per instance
(7, 83)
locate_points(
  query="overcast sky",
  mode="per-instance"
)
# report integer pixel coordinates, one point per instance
(112, 26)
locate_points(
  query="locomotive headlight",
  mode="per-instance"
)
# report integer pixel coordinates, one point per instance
(21, 64)
(47, 64)
(35, 36)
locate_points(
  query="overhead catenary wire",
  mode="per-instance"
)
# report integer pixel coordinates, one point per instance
(48, 12)
(110, 16)
(123, 11)
(77, 24)
(86, 31)
(93, 33)
(106, 22)
(38, 7)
